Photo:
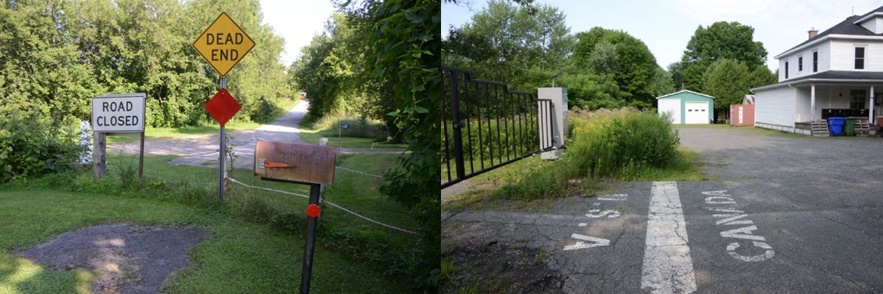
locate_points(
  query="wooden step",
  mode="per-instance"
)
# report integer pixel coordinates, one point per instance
(820, 128)
(862, 127)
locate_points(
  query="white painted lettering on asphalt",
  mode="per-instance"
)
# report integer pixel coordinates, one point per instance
(614, 197)
(734, 217)
(667, 267)
(593, 242)
(596, 213)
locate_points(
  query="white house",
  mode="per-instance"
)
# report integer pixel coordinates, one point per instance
(840, 69)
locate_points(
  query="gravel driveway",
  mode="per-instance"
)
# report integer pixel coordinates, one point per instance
(202, 150)
(829, 164)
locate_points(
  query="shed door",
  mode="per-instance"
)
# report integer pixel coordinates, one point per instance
(696, 112)
(671, 106)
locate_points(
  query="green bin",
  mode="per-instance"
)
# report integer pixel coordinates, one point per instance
(849, 128)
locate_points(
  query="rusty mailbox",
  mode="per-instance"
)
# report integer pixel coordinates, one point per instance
(303, 163)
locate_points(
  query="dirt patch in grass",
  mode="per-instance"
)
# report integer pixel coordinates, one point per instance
(495, 267)
(125, 258)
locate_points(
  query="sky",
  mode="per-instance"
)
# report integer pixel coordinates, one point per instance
(296, 21)
(666, 26)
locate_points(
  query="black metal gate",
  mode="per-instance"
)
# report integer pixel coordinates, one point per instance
(486, 126)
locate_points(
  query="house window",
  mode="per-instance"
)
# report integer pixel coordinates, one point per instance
(859, 57)
(800, 63)
(815, 61)
(857, 99)
(786, 70)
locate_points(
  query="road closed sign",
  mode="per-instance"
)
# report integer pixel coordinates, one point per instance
(223, 44)
(119, 113)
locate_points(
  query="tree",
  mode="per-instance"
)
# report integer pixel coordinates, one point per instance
(721, 40)
(728, 82)
(405, 37)
(762, 76)
(625, 57)
(520, 45)
(661, 83)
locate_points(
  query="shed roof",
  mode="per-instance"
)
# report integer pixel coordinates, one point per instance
(684, 91)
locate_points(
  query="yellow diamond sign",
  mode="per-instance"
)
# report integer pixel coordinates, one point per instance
(223, 44)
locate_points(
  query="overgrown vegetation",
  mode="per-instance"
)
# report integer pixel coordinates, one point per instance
(604, 145)
(405, 65)
(31, 145)
(622, 146)
(56, 55)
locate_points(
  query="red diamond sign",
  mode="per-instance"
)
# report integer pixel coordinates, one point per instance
(222, 106)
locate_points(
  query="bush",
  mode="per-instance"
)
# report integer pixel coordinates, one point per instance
(358, 127)
(621, 146)
(30, 145)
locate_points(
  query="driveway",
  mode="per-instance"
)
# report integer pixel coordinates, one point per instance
(202, 150)
(782, 215)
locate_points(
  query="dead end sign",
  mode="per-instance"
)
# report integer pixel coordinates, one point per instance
(223, 44)
(119, 113)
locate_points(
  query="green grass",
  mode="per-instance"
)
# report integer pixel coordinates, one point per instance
(313, 136)
(238, 257)
(248, 251)
(501, 186)
(361, 134)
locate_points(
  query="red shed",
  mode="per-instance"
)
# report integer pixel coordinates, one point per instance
(743, 114)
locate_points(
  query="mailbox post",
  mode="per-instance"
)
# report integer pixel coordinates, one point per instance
(300, 164)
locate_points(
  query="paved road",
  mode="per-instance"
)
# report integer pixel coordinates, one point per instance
(788, 215)
(202, 150)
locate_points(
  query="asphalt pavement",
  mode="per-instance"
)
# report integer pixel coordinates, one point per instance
(782, 215)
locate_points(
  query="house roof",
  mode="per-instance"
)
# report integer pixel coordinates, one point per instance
(845, 27)
(831, 77)
(851, 26)
(683, 91)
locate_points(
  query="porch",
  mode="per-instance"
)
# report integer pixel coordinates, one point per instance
(819, 128)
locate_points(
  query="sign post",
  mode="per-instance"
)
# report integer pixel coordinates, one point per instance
(302, 164)
(223, 44)
(116, 114)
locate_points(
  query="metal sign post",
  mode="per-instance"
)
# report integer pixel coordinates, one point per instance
(313, 212)
(222, 150)
(223, 44)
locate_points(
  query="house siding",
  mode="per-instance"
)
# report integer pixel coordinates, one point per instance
(776, 106)
(843, 55)
(824, 49)
(871, 24)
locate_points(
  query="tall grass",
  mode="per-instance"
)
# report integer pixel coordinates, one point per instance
(620, 146)
(358, 127)
(490, 140)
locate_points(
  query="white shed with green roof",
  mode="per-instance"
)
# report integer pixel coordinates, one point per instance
(687, 107)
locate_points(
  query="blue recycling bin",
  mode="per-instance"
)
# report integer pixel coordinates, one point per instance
(835, 126)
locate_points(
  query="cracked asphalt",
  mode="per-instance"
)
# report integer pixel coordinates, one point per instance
(783, 215)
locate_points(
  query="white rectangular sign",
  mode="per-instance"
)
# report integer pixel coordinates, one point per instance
(119, 113)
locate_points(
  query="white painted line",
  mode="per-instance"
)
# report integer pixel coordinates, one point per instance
(667, 267)
(614, 197)
(582, 224)
(595, 242)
